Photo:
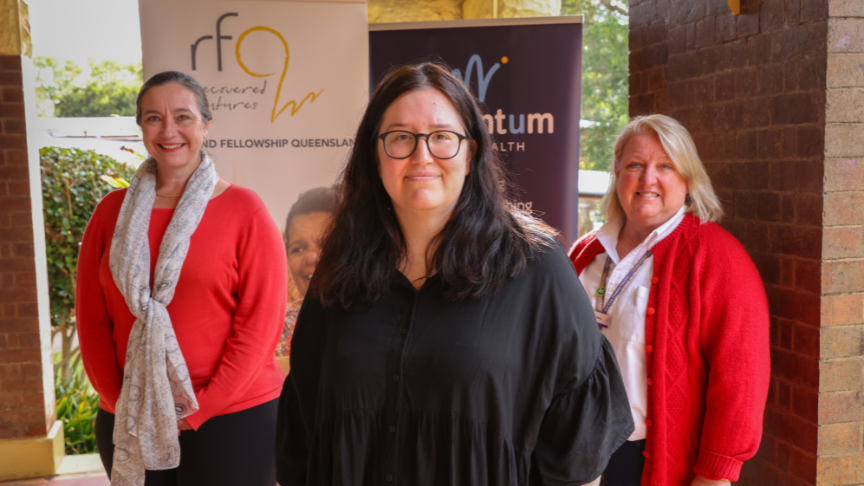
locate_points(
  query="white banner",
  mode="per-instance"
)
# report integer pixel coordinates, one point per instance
(287, 84)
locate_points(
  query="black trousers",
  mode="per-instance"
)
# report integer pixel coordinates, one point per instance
(228, 450)
(626, 465)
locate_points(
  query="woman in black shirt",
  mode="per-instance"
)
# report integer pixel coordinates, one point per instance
(445, 338)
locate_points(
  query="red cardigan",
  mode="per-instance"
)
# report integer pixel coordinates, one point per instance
(707, 356)
(227, 310)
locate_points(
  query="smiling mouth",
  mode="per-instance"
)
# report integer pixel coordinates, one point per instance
(422, 177)
(171, 146)
(648, 194)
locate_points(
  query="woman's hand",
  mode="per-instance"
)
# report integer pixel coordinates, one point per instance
(182, 424)
(700, 481)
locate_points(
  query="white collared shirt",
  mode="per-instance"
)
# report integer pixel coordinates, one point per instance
(626, 332)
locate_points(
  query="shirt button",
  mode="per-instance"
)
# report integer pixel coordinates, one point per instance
(392, 429)
(650, 382)
(644, 453)
(388, 477)
(649, 311)
(395, 377)
(648, 422)
(649, 348)
(655, 280)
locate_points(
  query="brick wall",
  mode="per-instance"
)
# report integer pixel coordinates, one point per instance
(841, 405)
(751, 89)
(23, 411)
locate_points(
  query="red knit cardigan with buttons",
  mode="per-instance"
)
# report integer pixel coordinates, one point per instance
(707, 354)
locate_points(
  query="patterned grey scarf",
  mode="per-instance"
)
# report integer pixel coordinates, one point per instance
(157, 390)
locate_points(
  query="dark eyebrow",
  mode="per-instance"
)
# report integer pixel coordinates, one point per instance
(187, 110)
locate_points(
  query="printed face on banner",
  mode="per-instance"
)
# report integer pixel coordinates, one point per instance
(423, 182)
(286, 82)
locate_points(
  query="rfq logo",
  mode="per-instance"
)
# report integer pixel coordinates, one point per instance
(274, 114)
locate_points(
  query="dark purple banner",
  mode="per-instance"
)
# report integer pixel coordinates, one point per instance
(528, 79)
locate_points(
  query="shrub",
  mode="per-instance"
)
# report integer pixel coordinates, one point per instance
(71, 188)
(77, 404)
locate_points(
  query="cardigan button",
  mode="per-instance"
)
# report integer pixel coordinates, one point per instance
(648, 422)
(388, 477)
(650, 382)
(654, 280)
(645, 453)
(649, 348)
(395, 377)
(649, 311)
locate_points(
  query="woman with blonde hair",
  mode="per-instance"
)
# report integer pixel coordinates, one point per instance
(685, 310)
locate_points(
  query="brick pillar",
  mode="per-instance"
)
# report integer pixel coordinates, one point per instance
(751, 89)
(29, 435)
(841, 405)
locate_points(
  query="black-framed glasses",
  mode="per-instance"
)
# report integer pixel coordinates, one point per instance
(442, 144)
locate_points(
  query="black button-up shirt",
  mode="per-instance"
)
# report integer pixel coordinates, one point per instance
(517, 387)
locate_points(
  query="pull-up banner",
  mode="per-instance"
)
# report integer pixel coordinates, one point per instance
(287, 84)
(527, 75)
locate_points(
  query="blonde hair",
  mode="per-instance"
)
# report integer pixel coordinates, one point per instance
(678, 144)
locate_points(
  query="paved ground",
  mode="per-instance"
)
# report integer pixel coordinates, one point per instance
(83, 470)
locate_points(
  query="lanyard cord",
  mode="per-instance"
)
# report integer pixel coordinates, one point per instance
(603, 305)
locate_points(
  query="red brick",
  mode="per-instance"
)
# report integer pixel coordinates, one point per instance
(25, 280)
(747, 24)
(657, 79)
(12, 341)
(688, 11)
(808, 209)
(15, 203)
(21, 220)
(12, 126)
(790, 76)
(768, 266)
(18, 295)
(10, 78)
(17, 157)
(724, 27)
(23, 250)
(15, 264)
(797, 462)
(808, 277)
(746, 83)
(657, 30)
(806, 40)
(13, 95)
(770, 144)
(793, 304)
(785, 331)
(29, 340)
(813, 10)
(705, 32)
(686, 66)
(772, 15)
(20, 384)
(19, 325)
(677, 39)
(758, 115)
(642, 13)
(11, 110)
(724, 85)
(25, 309)
(811, 141)
(717, 7)
(724, 57)
(13, 141)
(690, 32)
(746, 148)
(758, 50)
(724, 148)
(795, 176)
(792, 429)
(771, 79)
(811, 73)
(798, 108)
(10, 62)
(793, 10)
(801, 370)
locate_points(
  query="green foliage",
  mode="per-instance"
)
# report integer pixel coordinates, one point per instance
(605, 83)
(77, 404)
(71, 188)
(110, 89)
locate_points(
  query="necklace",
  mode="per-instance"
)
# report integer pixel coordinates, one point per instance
(163, 195)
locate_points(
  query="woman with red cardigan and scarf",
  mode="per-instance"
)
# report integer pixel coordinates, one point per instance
(685, 310)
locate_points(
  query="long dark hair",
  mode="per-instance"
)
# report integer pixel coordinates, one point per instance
(485, 242)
